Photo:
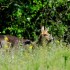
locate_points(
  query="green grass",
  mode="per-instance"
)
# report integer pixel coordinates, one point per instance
(54, 56)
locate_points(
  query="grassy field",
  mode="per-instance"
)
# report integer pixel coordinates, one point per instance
(54, 56)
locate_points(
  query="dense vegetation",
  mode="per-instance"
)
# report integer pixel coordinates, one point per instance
(24, 18)
(55, 56)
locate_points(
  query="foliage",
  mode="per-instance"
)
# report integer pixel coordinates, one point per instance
(55, 56)
(25, 18)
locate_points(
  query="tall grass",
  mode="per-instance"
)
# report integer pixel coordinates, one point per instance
(54, 56)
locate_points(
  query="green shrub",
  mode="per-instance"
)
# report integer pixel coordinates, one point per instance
(25, 18)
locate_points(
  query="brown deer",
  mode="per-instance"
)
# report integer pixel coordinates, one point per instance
(44, 37)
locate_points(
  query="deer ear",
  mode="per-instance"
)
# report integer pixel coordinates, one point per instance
(47, 29)
(42, 28)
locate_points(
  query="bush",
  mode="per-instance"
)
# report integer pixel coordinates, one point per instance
(25, 18)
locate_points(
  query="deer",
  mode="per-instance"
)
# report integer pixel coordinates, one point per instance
(44, 38)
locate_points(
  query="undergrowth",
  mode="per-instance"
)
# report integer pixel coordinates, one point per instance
(54, 56)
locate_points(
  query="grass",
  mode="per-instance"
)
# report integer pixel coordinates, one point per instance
(54, 56)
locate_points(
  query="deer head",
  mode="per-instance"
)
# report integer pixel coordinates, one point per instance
(44, 35)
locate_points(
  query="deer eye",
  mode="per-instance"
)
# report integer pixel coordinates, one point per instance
(45, 35)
